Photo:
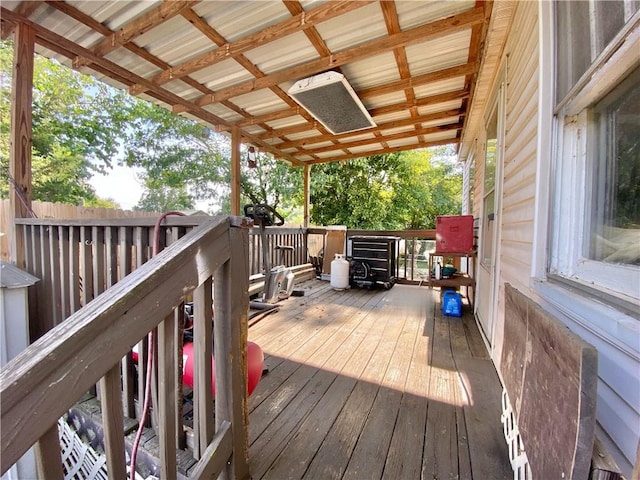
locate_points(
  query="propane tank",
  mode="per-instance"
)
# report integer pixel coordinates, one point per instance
(339, 272)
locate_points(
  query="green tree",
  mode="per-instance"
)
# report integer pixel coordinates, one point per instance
(394, 191)
(164, 199)
(76, 125)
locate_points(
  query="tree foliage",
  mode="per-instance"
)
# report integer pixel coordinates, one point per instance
(76, 121)
(393, 191)
(81, 126)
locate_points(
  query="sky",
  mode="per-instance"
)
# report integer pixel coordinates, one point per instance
(119, 184)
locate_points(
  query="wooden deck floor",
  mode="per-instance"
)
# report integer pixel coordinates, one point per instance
(374, 385)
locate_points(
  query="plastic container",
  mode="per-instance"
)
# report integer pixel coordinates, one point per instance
(451, 304)
(339, 272)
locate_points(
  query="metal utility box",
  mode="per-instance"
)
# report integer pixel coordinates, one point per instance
(454, 233)
(374, 260)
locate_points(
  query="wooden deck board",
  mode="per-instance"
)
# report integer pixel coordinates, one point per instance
(359, 379)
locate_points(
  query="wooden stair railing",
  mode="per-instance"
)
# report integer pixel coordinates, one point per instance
(45, 380)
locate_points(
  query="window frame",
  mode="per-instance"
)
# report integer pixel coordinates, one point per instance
(569, 220)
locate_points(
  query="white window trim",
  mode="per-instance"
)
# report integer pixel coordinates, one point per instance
(571, 180)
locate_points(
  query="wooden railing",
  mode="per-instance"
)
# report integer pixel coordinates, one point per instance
(78, 259)
(413, 250)
(278, 236)
(44, 381)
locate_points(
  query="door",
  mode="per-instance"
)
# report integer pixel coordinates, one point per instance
(487, 286)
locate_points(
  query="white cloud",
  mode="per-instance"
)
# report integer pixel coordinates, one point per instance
(119, 184)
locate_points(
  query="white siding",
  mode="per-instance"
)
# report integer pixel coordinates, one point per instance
(616, 337)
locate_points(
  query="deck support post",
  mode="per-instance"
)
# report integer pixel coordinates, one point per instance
(307, 195)
(21, 133)
(235, 170)
(231, 299)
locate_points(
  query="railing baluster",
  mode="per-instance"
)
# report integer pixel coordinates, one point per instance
(74, 268)
(86, 266)
(54, 265)
(166, 397)
(65, 274)
(48, 460)
(128, 388)
(98, 260)
(202, 351)
(111, 253)
(141, 239)
(112, 423)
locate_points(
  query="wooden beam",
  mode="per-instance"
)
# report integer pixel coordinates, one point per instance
(382, 151)
(393, 26)
(269, 34)
(206, 29)
(444, 74)
(48, 458)
(231, 301)
(395, 136)
(392, 87)
(64, 46)
(419, 34)
(398, 107)
(307, 194)
(26, 9)
(383, 126)
(312, 33)
(113, 423)
(235, 171)
(21, 134)
(137, 27)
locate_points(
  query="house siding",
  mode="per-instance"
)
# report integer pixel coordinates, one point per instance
(615, 335)
(517, 212)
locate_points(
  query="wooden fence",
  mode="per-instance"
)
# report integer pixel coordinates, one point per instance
(57, 210)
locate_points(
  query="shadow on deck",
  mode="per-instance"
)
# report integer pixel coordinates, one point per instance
(375, 385)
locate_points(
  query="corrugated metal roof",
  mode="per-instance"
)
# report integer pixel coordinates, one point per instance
(229, 63)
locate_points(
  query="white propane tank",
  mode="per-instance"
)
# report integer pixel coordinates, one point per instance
(339, 272)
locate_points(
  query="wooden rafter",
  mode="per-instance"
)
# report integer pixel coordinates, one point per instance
(137, 27)
(287, 131)
(393, 27)
(300, 128)
(395, 136)
(64, 46)
(422, 33)
(382, 151)
(231, 50)
(445, 74)
(306, 142)
(88, 21)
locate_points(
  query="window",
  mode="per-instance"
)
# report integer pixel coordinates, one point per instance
(488, 203)
(615, 211)
(596, 209)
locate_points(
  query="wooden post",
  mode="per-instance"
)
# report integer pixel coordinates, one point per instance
(235, 171)
(202, 351)
(166, 397)
(307, 194)
(112, 422)
(231, 282)
(21, 131)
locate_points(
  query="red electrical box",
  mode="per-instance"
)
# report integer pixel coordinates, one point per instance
(454, 233)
